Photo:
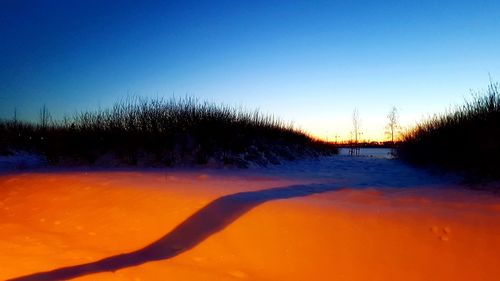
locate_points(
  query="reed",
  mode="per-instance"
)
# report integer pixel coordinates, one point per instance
(162, 132)
(465, 139)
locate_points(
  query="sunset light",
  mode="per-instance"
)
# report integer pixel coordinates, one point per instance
(249, 140)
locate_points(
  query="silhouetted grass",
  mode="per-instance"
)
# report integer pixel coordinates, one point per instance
(163, 132)
(466, 139)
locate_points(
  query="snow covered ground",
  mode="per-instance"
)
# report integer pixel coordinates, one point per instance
(368, 217)
(372, 168)
(20, 161)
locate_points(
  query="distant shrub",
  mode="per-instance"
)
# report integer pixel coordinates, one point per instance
(466, 139)
(162, 132)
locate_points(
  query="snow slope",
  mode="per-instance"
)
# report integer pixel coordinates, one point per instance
(20, 161)
(335, 218)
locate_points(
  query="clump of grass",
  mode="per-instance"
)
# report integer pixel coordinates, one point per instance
(465, 139)
(163, 132)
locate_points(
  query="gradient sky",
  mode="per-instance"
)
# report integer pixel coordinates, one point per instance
(310, 62)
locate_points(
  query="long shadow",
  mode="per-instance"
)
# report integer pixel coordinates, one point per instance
(210, 219)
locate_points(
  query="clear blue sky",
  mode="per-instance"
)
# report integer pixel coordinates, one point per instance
(311, 62)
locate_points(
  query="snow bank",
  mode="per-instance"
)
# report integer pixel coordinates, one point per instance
(20, 161)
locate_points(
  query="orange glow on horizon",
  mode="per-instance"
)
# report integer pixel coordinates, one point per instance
(342, 138)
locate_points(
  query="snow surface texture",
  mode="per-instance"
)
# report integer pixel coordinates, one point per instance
(20, 161)
(373, 167)
(383, 216)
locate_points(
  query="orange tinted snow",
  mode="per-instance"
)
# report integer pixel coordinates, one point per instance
(54, 220)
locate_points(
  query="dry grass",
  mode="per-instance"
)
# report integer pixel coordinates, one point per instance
(162, 132)
(465, 139)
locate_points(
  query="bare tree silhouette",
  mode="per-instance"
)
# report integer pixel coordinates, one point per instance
(45, 117)
(393, 125)
(355, 132)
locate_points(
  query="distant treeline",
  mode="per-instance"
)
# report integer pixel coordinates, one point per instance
(368, 144)
(465, 139)
(158, 132)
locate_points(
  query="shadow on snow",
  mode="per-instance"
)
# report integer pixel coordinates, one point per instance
(209, 220)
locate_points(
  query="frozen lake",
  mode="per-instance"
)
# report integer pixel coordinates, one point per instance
(370, 152)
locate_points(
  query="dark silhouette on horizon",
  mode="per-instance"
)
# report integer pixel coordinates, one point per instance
(211, 219)
(161, 132)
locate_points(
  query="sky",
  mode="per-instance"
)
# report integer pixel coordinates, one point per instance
(308, 62)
